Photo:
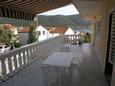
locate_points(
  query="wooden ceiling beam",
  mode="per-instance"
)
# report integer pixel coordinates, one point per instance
(43, 8)
(20, 3)
(21, 8)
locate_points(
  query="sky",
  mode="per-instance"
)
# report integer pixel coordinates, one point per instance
(67, 10)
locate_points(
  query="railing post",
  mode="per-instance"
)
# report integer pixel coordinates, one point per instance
(3, 65)
(39, 50)
(35, 50)
(31, 52)
(27, 52)
(15, 62)
(20, 60)
(10, 67)
(24, 57)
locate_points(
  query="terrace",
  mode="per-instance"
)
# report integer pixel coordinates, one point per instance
(19, 64)
(22, 67)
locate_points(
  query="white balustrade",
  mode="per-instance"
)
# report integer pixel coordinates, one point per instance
(71, 38)
(17, 59)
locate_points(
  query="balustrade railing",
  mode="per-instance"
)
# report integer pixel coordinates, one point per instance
(72, 38)
(17, 59)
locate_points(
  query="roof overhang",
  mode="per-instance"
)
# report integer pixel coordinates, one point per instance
(35, 6)
(27, 9)
(91, 9)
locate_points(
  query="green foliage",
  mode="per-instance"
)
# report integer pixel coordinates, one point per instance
(32, 35)
(5, 36)
(17, 22)
(17, 44)
(87, 38)
(60, 20)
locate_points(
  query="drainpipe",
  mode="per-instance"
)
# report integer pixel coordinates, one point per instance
(94, 33)
(94, 30)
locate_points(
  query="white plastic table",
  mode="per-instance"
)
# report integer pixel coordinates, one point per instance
(61, 61)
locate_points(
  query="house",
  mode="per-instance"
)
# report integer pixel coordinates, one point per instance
(55, 31)
(49, 32)
(23, 35)
(52, 31)
(43, 34)
(69, 32)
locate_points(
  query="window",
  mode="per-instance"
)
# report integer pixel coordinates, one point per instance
(39, 33)
(43, 32)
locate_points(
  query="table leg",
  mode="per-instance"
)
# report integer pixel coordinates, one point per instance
(44, 71)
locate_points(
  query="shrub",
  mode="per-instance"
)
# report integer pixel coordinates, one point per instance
(17, 44)
(87, 38)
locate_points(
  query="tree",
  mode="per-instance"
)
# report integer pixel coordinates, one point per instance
(5, 35)
(32, 33)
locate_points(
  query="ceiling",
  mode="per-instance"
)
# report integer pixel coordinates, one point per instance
(36, 6)
(87, 8)
(91, 9)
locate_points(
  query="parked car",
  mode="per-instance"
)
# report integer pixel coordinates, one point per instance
(4, 48)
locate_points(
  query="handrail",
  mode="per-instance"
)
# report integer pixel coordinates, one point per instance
(71, 38)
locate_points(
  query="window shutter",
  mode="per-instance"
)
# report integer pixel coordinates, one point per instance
(112, 41)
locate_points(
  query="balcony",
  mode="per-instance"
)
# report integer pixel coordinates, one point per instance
(22, 67)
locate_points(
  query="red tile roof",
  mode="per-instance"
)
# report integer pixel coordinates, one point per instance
(60, 30)
(24, 30)
(8, 26)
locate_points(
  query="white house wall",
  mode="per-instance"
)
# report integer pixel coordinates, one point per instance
(69, 32)
(42, 36)
(53, 35)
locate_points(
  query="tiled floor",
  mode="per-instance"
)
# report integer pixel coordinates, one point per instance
(88, 71)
